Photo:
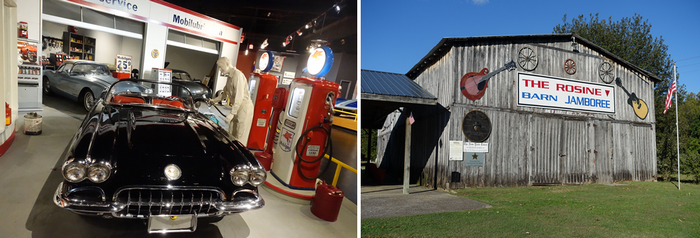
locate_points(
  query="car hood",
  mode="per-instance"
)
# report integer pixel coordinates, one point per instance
(104, 80)
(140, 142)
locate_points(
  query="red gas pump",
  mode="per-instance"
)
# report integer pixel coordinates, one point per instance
(304, 132)
(279, 100)
(262, 86)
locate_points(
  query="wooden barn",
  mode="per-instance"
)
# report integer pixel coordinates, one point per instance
(523, 110)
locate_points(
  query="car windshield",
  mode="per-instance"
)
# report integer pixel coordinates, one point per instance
(181, 76)
(90, 69)
(136, 92)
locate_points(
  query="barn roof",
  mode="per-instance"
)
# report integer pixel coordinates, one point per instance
(446, 44)
(384, 86)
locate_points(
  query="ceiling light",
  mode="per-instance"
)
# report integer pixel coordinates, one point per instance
(337, 8)
(264, 44)
(250, 46)
(307, 25)
(299, 32)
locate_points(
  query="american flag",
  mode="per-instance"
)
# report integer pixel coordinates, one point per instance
(669, 96)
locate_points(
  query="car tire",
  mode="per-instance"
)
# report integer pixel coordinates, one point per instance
(87, 99)
(46, 86)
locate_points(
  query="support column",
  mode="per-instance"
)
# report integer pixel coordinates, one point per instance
(407, 157)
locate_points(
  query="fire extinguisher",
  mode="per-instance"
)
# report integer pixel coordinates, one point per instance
(8, 114)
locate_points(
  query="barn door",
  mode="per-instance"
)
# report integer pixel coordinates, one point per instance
(546, 141)
(574, 152)
(603, 152)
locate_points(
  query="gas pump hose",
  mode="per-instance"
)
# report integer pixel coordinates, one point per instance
(222, 114)
(328, 145)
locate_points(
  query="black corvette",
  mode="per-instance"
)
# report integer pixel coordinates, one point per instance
(144, 152)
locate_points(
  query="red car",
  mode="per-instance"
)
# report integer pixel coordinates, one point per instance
(28, 52)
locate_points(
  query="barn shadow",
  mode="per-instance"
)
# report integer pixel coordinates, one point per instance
(430, 122)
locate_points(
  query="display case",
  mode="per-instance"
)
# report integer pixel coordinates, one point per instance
(78, 46)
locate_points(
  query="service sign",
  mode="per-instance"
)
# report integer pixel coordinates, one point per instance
(565, 94)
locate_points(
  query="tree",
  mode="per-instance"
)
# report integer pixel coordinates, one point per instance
(631, 39)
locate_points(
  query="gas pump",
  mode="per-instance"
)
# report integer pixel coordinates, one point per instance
(304, 132)
(262, 86)
(279, 100)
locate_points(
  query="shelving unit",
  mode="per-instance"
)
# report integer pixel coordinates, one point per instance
(78, 46)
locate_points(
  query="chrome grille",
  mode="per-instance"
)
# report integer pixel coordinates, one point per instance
(144, 202)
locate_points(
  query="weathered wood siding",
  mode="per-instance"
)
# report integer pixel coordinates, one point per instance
(529, 145)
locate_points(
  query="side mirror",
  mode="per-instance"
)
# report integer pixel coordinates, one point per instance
(104, 92)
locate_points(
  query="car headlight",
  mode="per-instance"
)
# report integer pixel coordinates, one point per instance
(257, 176)
(99, 172)
(74, 172)
(239, 175)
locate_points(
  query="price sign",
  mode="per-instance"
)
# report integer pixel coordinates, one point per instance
(123, 63)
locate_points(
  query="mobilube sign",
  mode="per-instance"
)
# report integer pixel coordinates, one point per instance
(558, 93)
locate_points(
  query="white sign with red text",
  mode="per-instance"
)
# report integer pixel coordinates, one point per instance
(164, 13)
(558, 93)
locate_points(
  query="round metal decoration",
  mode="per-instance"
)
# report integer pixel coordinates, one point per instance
(605, 72)
(476, 126)
(155, 53)
(172, 172)
(320, 61)
(267, 60)
(570, 66)
(527, 58)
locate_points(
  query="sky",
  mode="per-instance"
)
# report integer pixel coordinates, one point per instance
(395, 35)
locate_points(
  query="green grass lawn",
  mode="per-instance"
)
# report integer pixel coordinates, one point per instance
(639, 209)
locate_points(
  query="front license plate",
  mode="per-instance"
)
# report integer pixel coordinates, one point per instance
(166, 224)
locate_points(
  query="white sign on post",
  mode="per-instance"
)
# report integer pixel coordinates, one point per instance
(476, 147)
(123, 63)
(558, 93)
(455, 150)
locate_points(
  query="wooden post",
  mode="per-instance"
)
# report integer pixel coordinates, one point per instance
(407, 158)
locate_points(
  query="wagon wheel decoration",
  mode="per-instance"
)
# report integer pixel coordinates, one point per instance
(570, 66)
(605, 71)
(476, 126)
(527, 58)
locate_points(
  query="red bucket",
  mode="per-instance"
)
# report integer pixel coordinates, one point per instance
(326, 202)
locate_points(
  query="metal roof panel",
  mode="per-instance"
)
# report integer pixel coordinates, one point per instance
(393, 84)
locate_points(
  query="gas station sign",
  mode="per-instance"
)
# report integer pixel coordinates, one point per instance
(123, 63)
(266, 61)
(320, 61)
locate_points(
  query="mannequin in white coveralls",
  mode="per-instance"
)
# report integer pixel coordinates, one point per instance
(236, 90)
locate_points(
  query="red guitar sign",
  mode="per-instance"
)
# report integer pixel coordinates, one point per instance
(473, 85)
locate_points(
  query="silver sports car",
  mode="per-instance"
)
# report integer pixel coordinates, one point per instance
(79, 80)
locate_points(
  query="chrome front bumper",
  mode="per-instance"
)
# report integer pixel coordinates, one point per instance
(62, 198)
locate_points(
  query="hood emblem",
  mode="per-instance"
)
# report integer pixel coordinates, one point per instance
(172, 172)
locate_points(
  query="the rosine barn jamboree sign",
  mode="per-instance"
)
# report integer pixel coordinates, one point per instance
(558, 93)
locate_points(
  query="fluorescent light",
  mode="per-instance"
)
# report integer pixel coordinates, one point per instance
(65, 21)
(192, 47)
